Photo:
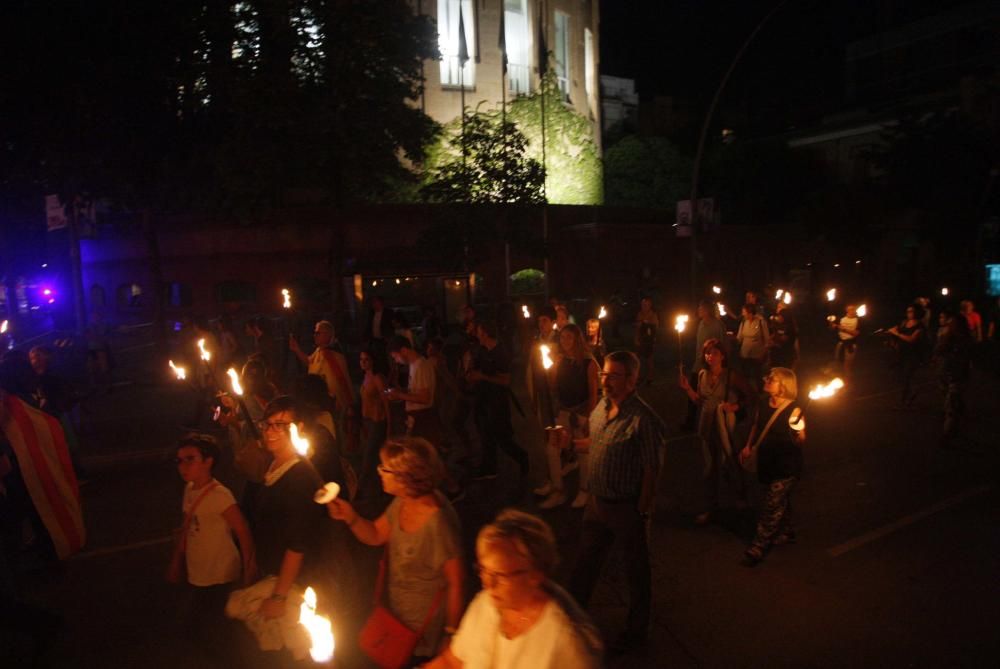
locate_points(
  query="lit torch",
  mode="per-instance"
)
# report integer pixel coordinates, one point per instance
(787, 299)
(179, 371)
(525, 311)
(318, 627)
(862, 311)
(831, 295)
(3, 327)
(778, 295)
(286, 296)
(546, 366)
(301, 444)
(206, 355)
(234, 379)
(603, 313)
(944, 292)
(679, 324)
(717, 290)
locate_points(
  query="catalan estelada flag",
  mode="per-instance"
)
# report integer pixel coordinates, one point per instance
(39, 444)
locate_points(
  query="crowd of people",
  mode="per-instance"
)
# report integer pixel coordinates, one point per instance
(423, 415)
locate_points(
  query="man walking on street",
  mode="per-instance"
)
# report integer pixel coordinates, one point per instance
(626, 451)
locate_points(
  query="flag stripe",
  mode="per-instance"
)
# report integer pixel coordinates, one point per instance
(42, 462)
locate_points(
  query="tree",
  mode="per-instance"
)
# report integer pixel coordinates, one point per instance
(645, 172)
(485, 161)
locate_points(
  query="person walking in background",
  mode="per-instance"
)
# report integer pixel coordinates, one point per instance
(375, 417)
(720, 393)
(953, 353)
(576, 395)
(646, 325)
(327, 362)
(910, 338)
(783, 346)
(422, 418)
(595, 341)
(710, 326)
(848, 330)
(626, 446)
(973, 319)
(752, 337)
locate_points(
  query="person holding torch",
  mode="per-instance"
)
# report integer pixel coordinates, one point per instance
(774, 449)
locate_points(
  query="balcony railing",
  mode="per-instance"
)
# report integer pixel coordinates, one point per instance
(518, 79)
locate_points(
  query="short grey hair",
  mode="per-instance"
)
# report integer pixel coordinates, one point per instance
(628, 360)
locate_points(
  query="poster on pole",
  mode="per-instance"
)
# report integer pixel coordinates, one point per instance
(683, 223)
(55, 213)
(706, 216)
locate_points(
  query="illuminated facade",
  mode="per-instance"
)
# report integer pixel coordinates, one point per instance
(571, 38)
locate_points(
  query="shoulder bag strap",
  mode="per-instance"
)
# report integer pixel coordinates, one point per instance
(774, 416)
(182, 544)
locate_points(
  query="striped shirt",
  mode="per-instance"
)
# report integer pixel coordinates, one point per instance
(623, 447)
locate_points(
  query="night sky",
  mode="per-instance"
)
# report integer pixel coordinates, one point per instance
(795, 66)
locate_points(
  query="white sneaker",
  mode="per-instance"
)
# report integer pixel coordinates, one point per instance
(557, 498)
(581, 500)
(545, 490)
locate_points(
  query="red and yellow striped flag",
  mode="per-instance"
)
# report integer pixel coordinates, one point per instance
(39, 444)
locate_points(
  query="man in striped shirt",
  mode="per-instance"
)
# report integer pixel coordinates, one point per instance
(626, 446)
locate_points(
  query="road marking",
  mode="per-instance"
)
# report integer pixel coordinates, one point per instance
(905, 521)
(111, 550)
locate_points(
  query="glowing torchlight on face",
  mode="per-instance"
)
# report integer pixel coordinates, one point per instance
(301, 444)
(319, 628)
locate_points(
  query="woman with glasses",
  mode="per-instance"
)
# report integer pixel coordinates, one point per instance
(420, 530)
(576, 393)
(910, 337)
(775, 445)
(520, 618)
(721, 392)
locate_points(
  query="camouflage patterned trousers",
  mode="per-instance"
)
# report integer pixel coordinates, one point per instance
(775, 519)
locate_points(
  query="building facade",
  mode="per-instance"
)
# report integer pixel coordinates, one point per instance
(570, 29)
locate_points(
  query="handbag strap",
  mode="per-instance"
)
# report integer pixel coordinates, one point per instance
(380, 588)
(182, 544)
(784, 404)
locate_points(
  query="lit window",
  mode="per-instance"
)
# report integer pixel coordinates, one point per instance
(518, 39)
(452, 74)
(562, 53)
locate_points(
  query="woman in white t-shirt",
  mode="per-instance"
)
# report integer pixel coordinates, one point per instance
(520, 618)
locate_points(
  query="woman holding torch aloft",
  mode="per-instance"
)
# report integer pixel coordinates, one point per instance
(774, 449)
(720, 393)
(576, 392)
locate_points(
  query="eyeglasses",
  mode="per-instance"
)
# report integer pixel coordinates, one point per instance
(265, 425)
(497, 576)
(384, 470)
(187, 459)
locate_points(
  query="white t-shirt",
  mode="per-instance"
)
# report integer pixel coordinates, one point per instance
(421, 376)
(549, 644)
(210, 552)
(850, 324)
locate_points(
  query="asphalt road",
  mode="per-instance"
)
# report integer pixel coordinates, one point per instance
(896, 565)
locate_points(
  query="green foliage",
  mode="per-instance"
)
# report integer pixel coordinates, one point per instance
(646, 172)
(483, 162)
(527, 282)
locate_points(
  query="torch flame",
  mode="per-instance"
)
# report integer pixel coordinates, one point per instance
(235, 379)
(603, 312)
(301, 444)
(944, 291)
(179, 371)
(320, 631)
(831, 295)
(863, 311)
(829, 390)
(717, 290)
(206, 355)
(286, 298)
(3, 327)
(525, 311)
(787, 299)
(546, 358)
(722, 308)
(778, 295)
(680, 322)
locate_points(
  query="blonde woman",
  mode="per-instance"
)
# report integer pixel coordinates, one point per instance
(576, 394)
(520, 618)
(776, 438)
